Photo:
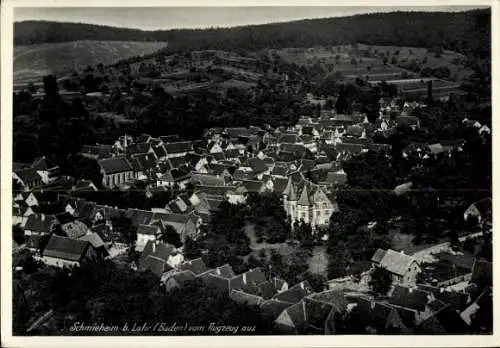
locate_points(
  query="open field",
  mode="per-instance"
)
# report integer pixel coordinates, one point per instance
(34, 61)
(351, 61)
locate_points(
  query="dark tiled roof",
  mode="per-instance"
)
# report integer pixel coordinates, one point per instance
(183, 277)
(464, 261)
(143, 161)
(289, 138)
(138, 148)
(238, 131)
(295, 293)
(409, 298)
(245, 298)
(155, 265)
(257, 165)
(94, 239)
(280, 185)
(99, 150)
(272, 308)
(445, 321)
(36, 224)
(28, 175)
(253, 186)
(349, 148)
(159, 151)
(179, 147)
(65, 248)
(197, 266)
(139, 217)
(159, 250)
(334, 297)
(115, 165)
(169, 138)
(43, 163)
(177, 162)
(267, 290)
(457, 300)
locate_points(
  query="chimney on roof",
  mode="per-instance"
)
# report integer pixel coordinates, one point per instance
(154, 247)
(244, 278)
(42, 217)
(402, 252)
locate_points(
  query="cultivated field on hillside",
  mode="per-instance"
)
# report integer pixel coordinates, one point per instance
(34, 61)
(367, 61)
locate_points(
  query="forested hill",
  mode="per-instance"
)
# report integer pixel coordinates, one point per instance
(458, 31)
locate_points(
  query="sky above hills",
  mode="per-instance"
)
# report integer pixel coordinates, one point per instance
(155, 18)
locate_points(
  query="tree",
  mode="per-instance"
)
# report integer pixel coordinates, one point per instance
(317, 281)
(50, 87)
(342, 105)
(339, 261)
(18, 235)
(437, 50)
(191, 249)
(171, 236)
(380, 281)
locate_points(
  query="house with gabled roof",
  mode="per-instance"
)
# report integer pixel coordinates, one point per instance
(444, 321)
(97, 243)
(145, 234)
(169, 138)
(160, 152)
(177, 176)
(310, 315)
(116, 171)
(48, 170)
(178, 149)
(295, 293)
(185, 225)
(214, 147)
(377, 317)
(139, 217)
(199, 179)
(139, 148)
(96, 152)
(28, 198)
(159, 257)
(143, 163)
(197, 266)
(27, 178)
(403, 268)
(178, 279)
(245, 298)
(84, 186)
(67, 252)
(258, 167)
(39, 224)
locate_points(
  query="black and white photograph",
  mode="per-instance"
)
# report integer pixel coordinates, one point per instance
(250, 171)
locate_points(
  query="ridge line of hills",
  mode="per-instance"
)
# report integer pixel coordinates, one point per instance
(456, 31)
